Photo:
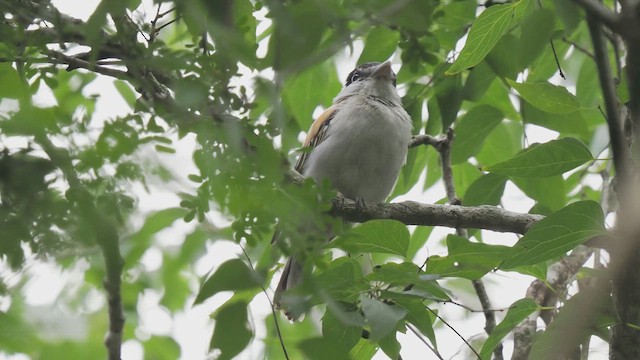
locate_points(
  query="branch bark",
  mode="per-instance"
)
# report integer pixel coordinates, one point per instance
(414, 213)
(106, 237)
(602, 13)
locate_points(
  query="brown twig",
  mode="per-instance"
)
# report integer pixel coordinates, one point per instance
(76, 63)
(422, 339)
(444, 148)
(106, 238)
(273, 309)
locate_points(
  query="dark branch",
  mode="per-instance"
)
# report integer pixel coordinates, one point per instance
(76, 63)
(414, 213)
(447, 176)
(106, 238)
(425, 139)
(618, 146)
(602, 13)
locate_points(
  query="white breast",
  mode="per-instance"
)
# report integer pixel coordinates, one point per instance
(365, 148)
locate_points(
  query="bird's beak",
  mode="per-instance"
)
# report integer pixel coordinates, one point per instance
(383, 71)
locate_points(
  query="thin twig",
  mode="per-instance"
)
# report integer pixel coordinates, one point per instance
(455, 331)
(425, 139)
(553, 50)
(166, 24)
(468, 308)
(578, 47)
(75, 63)
(555, 56)
(447, 176)
(424, 341)
(273, 309)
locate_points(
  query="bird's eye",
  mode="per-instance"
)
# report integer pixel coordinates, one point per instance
(355, 77)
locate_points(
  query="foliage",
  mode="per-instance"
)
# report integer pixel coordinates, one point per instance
(238, 81)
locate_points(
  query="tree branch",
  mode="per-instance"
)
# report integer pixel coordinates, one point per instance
(77, 63)
(106, 238)
(602, 13)
(444, 149)
(425, 139)
(618, 144)
(414, 213)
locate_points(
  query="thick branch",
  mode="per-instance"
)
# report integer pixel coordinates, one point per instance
(602, 13)
(106, 237)
(414, 213)
(618, 144)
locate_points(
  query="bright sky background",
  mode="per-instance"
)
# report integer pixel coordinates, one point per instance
(193, 328)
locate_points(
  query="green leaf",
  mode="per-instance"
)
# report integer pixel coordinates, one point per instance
(570, 14)
(420, 317)
(397, 274)
(485, 32)
(505, 141)
(556, 234)
(232, 275)
(382, 318)
(411, 172)
(390, 345)
(449, 98)
(486, 190)
(161, 347)
(165, 149)
(545, 65)
(467, 259)
(501, 58)
(478, 81)
(322, 349)
(535, 34)
(231, 333)
(518, 311)
(376, 236)
(339, 277)
(541, 160)
(364, 350)
(585, 313)
(567, 124)
(31, 120)
(297, 33)
(548, 191)
(419, 237)
(302, 94)
(380, 45)
(465, 175)
(140, 241)
(126, 92)
(12, 87)
(588, 89)
(471, 131)
(334, 330)
(547, 97)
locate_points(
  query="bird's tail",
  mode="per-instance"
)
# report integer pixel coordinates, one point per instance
(291, 276)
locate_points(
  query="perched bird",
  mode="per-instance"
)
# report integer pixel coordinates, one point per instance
(359, 144)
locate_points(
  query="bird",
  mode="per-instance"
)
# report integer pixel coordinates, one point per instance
(359, 144)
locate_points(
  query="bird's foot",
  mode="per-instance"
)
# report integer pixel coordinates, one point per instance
(360, 204)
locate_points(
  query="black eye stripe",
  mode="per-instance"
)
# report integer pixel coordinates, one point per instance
(362, 72)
